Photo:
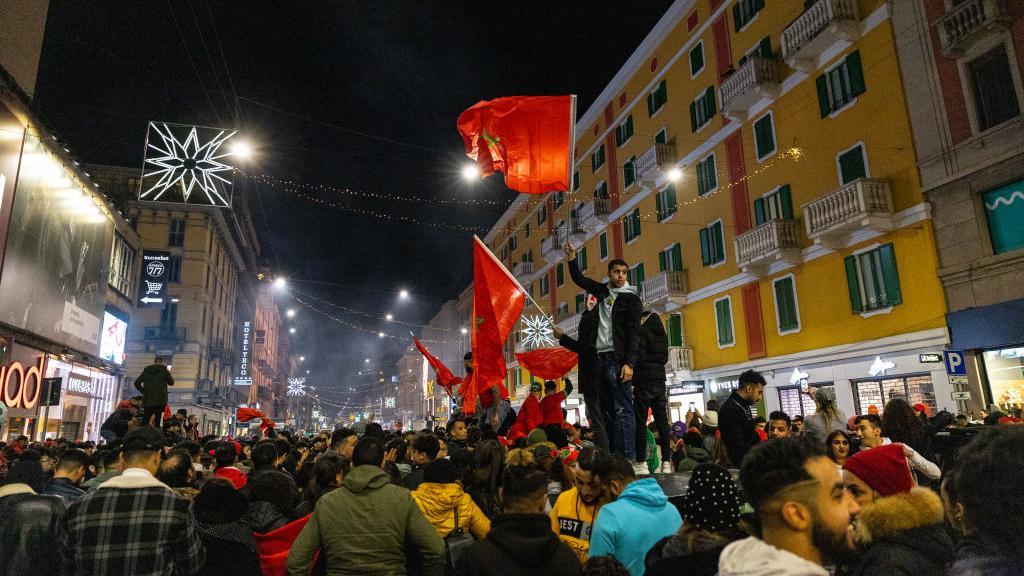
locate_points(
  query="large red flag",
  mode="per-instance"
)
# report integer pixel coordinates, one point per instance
(548, 363)
(498, 301)
(528, 138)
(444, 376)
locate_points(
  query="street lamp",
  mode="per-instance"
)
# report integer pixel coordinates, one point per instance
(675, 175)
(470, 172)
(290, 313)
(380, 334)
(241, 149)
(404, 294)
(389, 317)
(280, 283)
(464, 331)
(302, 359)
(291, 330)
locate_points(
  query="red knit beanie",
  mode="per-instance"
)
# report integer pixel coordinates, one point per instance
(884, 468)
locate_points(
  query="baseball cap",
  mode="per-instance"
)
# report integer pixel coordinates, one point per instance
(143, 438)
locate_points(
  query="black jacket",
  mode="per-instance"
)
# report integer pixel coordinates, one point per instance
(661, 561)
(649, 373)
(625, 316)
(586, 380)
(118, 422)
(737, 428)
(903, 535)
(31, 526)
(153, 383)
(519, 544)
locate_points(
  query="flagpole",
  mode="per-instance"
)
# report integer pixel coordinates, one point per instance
(572, 144)
(510, 275)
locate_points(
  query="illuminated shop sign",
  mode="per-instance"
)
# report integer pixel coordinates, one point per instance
(244, 377)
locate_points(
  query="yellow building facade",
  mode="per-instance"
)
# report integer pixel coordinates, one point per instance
(752, 162)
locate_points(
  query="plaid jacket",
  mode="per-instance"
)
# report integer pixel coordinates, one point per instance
(135, 525)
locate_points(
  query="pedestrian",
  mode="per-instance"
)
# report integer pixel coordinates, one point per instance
(457, 432)
(494, 406)
(343, 441)
(116, 425)
(638, 516)
(838, 447)
(368, 525)
(804, 510)
(520, 541)
(869, 429)
(271, 503)
(604, 566)
(711, 520)
(552, 419)
(734, 419)
(108, 465)
(900, 528)
(153, 383)
(901, 424)
(177, 473)
(798, 425)
(694, 453)
(572, 516)
(220, 519)
(226, 459)
(31, 524)
(616, 342)
(779, 425)
(68, 475)
(649, 394)
(484, 478)
(586, 369)
(529, 416)
(445, 505)
(425, 449)
(827, 415)
(328, 474)
(133, 523)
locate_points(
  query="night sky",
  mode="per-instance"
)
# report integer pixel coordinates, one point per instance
(357, 95)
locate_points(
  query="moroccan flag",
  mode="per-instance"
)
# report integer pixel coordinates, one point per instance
(548, 363)
(498, 301)
(527, 138)
(444, 376)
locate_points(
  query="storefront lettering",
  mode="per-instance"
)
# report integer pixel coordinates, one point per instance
(15, 379)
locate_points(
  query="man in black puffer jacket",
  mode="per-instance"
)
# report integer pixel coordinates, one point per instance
(587, 372)
(649, 387)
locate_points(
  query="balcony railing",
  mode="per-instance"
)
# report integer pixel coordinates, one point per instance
(655, 163)
(227, 357)
(595, 212)
(577, 231)
(165, 333)
(756, 80)
(679, 359)
(570, 324)
(666, 291)
(216, 347)
(205, 385)
(775, 240)
(819, 28)
(551, 246)
(968, 22)
(522, 270)
(863, 203)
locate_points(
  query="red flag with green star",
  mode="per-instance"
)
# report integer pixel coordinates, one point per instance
(527, 138)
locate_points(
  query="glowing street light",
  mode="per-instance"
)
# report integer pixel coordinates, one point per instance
(470, 172)
(280, 283)
(290, 313)
(675, 175)
(302, 358)
(389, 317)
(380, 334)
(241, 149)
(404, 294)
(291, 330)
(464, 331)
(367, 360)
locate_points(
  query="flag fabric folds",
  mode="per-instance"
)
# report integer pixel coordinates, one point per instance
(497, 304)
(249, 414)
(527, 138)
(548, 363)
(444, 376)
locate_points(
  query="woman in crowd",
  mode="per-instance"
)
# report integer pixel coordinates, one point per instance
(328, 473)
(827, 415)
(270, 503)
(220, 517)
(444, 504)
(484, 478)
(838, 446)
(901, 425)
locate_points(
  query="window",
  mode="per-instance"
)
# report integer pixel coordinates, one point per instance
(575, 180)
(122, 265)
(661, 137)
(666, 202)
(504, 251)
(852, 165)
(702, 110)
(712, 244)
(697, 59)
(1005, 210)
(631, 225)
(601, 192)
(176, 233)
(581, 258)
(675, 330)
(560, 274)
(512, 243)
(169, 315)
(873, 280)
(657, 99)
(744, 11)
(545, 285)
(786, 309)
(526, 230)
(602, 242)
(764, 136)
(559, 199)
(174, 269)
(563, 309)
(776, 205)
(671, 259)
(597, 158)
(542, 214)
(624, 131)
(723, 322)
(528, 256)
(707, 176)
(629, 172)
(913, 389)
(581, 302)
(995, 98)
(636, 277)
(840, 85)
(762, 50)
(794, 402)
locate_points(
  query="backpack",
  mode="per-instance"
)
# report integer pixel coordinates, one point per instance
(455, 544)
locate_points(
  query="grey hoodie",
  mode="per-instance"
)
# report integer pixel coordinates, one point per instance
(753, 557)
(605, 339)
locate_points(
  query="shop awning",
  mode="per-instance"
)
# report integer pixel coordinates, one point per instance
(994, 326)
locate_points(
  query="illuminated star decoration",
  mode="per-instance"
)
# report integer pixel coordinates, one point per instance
(879, 366)
(389, 402)
(537, 332)
(186, 165)
(296, 387)
(797, 376)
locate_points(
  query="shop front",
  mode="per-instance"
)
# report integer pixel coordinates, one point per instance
(21, 374)
(88, 396)
(684, 397)
(993, 340)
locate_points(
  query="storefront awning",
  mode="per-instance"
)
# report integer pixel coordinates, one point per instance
(995, 326)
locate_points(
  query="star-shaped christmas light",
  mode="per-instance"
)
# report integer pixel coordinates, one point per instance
(537, 332)
(296, 387)
(187, 165)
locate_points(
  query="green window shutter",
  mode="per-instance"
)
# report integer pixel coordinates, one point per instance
(560, 274)
(662, 261)
(640, 274)
(759, 216)
(710, 173)
(764, 48)
(661, 137)
(650, 105)
(823, 104)
(659, 206)
(758, 4)
(576, 180)
(857, 86)
(786, 202)
(709, 101)
(671, 199)
(763, 136)
(662, 94)
(701, 184)
(737, 22)
(853, 284)
(675, 330)
(785, 301)
(705, 246)
(890, 275)
(696, 58)
(724, 319)
(851, 165)
(603, 244)
(636, 222)
(719, 239)
(693, 116)
(677, 257)
(629, 126)
(580, 300)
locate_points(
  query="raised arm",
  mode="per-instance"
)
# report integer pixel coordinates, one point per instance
(591, 286)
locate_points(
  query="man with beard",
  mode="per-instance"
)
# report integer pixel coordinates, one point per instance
(572, 516)
(805, 511)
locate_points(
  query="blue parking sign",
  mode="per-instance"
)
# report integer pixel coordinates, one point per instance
(955, 365)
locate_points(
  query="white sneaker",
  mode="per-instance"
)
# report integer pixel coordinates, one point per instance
(640, 469)
(666, 468)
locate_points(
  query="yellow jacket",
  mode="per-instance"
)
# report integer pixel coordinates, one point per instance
(438, 501)
(573, 521)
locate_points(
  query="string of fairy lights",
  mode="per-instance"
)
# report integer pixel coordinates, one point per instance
(381, 317)
(354, 326)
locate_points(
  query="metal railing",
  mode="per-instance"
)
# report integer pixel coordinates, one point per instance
(594, 212)
(649, 164)
(851, 203)
(756, 71)
(165, 333)
(665, 285)
(818, 17)
(766, 240)
(679, 359)
(965, 20)
(522, 269)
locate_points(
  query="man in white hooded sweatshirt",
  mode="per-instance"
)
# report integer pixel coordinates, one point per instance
(806, 513)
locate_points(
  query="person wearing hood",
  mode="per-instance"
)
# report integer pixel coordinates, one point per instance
(153, 383)
(711, 518)
(220, 512)
(693, 453)
(649, 394)
(900, 528)
(368, 525)
(638, 517)
(444, 504)
(521, 540)
(805, 512)
(617, 343)
(586, 374)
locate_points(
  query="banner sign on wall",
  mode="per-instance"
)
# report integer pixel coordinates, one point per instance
(11, 135)
(156, 267)
(244, 377)
(115, 333)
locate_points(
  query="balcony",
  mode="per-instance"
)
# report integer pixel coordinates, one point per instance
(595, 213)
(227, 357)
(216, 347)
(577, 231)
(679, 359)
(666, 291)
(970, 21)
(863, 203)
(775, 240)
(165, 334)
(522, 271)
(205, 385)
(655, 163)
(551, 246)
(570, 324)
(822, 26)
(756, 80)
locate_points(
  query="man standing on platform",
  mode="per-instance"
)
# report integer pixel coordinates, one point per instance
(616, 342)
(153, 383)
(583, 346)
(649, 388)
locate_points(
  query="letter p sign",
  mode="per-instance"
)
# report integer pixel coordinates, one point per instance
(955, 363)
